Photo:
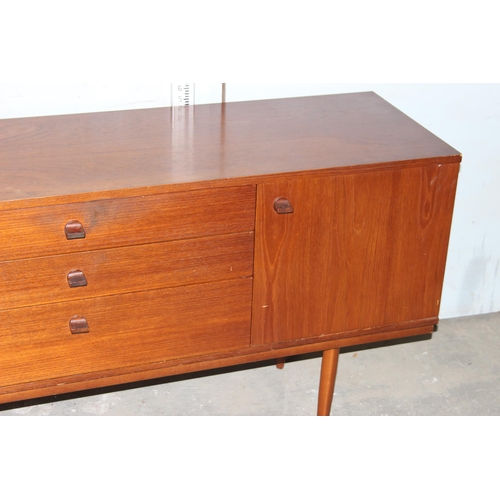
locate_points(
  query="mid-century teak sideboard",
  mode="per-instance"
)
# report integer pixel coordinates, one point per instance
(145, 243)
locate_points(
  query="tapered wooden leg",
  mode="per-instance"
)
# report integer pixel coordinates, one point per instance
(280, 363)
(327, 381)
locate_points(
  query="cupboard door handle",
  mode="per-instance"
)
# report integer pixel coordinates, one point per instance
(78, 324)
(74, 230)
(282, 206)
(76, 278)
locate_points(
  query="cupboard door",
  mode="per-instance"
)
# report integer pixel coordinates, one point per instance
(351, 252)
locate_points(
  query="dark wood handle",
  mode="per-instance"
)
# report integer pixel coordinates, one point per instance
(282, 206)
(78, 324)
(76, 278)
(74, 230)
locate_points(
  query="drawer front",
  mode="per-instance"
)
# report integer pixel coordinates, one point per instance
(121, 270)
(128, 330)
(41, 231)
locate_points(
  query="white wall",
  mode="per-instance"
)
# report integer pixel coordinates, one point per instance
(467, 116)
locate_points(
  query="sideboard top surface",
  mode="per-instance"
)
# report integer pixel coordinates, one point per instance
(98, 152)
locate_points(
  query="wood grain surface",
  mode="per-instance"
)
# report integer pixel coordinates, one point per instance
(148, 371)
(125, 330)
(35, 232)
(96, 152)
(359, 251)
(43, 280)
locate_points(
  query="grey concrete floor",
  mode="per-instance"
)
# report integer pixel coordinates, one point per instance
(455, 372)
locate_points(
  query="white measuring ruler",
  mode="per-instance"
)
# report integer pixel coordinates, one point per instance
(182, 113)
(182, 94)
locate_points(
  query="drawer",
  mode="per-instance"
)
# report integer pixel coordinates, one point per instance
(120, 270)
(124, 331)
(40, 231)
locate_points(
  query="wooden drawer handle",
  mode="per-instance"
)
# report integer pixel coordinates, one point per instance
(74, 230)
(282, 206)
(78, 324)
(76, 278)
